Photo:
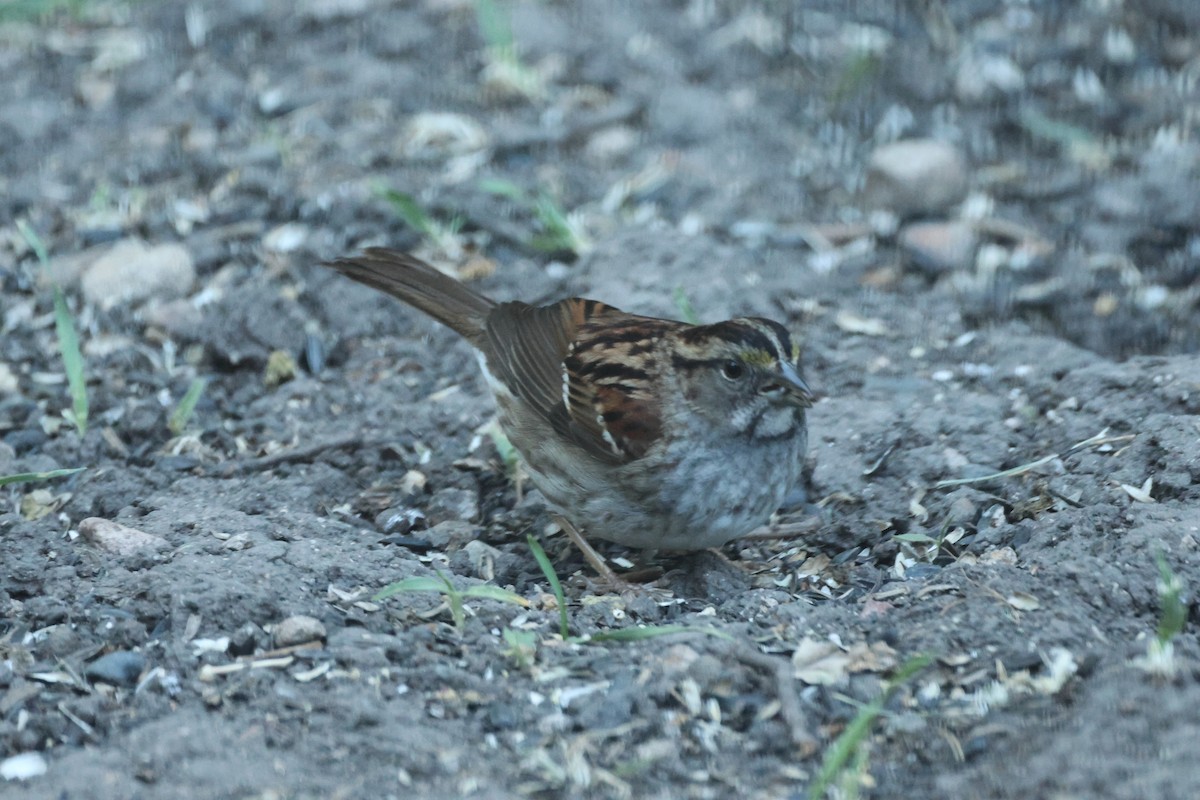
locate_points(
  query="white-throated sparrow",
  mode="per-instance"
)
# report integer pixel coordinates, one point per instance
(647, 432)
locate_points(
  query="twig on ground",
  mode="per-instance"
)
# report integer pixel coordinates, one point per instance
(295, 454)
(1095, 441)
(780, 670)
(785, 530)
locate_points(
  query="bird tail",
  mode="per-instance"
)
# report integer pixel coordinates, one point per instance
(421, 286)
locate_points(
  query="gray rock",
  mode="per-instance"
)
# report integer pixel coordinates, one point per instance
(246, 639)
(452, 503)
(938, 247)
(131, 271)
(298, 629)
(916, 176)
(451, 534)
(119, 668)
(113, 537)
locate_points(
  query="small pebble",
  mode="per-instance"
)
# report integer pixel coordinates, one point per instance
(399, 519)
(938, 247)
(298, 629)
(113, 537)
(23, 766)
(286, 238)
(119, 668)
(916, 176)
(132, 270)
(245, 640)
(451, 534)
(453, 503)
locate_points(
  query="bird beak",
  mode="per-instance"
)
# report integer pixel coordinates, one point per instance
(790, 387)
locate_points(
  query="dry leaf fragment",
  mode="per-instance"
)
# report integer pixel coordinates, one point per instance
(819, 663)
(814, 565)
(1023, 601)
(873, 657)
(1000, 555)
(41, 503)
(916, 508)
(1140, 493)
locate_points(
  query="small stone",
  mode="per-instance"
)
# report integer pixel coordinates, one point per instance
(179, 318)
(612, 143)
(983, 76)
(962, 511)
(916, 176)
(131, 271)
(113, 537)
(938, 247)
(286, 238)
(920, 572)
(483, 558)
(66, 270)
(451, 534)
(399, 519)
(298, 629)
(272, 102)
(245, 640)
(23, 766)
(119, 668)
(8, 381)
(452, 503)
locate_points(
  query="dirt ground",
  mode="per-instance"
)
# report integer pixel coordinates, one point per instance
(1026, 306)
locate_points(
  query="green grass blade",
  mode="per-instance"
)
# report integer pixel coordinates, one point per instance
(508, 454)
(30, 477)
(486, 591)
(406, 207)
(494, 25)
(844, 749)
(914, 538)
(35, 242)
(651, 632)
(68, 342)
(845, 746)
(685, 307)
(503, 188)
(37, 10)
(454, 599)
(183, 411)
(418, 584)
(68, 338)
(552, 217)
(543, 561)
(1173, 611)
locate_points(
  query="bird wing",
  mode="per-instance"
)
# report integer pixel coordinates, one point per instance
(584, 367)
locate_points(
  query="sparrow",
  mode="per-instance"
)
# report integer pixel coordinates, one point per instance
(651, 433)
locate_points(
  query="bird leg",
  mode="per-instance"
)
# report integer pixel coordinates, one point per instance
(590, 555)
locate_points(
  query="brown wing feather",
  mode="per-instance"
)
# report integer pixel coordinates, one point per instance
(607, 405)
(607, 408)
(421, 285)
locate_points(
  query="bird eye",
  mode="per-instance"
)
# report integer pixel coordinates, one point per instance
(732, 370)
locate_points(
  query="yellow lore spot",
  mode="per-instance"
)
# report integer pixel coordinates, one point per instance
(758, 358)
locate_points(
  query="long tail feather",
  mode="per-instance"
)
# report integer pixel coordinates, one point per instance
(421, 286)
